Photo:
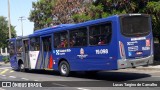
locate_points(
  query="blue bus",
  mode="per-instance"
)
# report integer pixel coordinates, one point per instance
(111, 43)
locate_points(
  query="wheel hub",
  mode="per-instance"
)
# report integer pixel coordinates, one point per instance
(64, 69)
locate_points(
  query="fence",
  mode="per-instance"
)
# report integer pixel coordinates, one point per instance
(3, 52)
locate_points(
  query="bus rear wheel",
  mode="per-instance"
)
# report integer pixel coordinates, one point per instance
(64, 68)
(21, 67)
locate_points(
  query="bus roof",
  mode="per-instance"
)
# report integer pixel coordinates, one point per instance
(12, 39)
(53, 27)
(18, 37)
(62, 27)
(70, 26)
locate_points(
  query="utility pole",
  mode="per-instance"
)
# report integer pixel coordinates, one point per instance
(9, 21)
(21, 18)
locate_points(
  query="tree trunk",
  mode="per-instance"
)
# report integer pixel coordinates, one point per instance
(159, 39)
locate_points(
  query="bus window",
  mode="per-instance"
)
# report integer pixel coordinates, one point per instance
(26, 46)
(19, 46)
(47, 44)
(35, 44)
(78, 37)
(11, 48)
(135, 26)
(100, 34)
(61, 40)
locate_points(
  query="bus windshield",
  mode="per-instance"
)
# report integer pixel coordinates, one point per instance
(135, 26)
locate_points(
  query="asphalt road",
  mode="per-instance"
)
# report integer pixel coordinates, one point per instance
(79, 80)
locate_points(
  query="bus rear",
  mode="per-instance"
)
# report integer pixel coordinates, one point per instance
(135, 40)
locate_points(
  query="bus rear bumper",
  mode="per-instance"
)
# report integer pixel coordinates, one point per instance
(128, 63)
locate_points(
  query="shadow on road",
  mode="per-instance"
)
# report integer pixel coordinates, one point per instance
(106, 76)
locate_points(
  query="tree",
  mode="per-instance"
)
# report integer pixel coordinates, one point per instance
(153, 8)
(4, 31)
(63, 10)
(41, 14)
(47, 13)
(104, 8)
(52, 12)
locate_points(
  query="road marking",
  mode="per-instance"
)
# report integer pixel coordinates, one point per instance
(24, 78)
(4, 71)
(2, 89)
(59, 84)
(3, 75)
(35, 80)
(11, 71)
(12, 76)
(5, 68)
(83, 89)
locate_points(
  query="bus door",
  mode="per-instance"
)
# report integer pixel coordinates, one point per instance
(26, 53)
(46, 51)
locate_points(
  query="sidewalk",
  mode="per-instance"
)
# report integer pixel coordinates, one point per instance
(154, 66)
(2, 63)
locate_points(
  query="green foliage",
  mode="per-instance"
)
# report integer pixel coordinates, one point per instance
(5, 59)
(153, 8)
(4, 35)
(49, 12)
(41, 14)
(81, 18)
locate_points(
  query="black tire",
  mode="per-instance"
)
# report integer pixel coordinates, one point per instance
(64, 68)
(21, 67)
(26, 70)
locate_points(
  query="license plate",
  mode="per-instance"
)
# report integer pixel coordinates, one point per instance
(139, 62)
(138, 53)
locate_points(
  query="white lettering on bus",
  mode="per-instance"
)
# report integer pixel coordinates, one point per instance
(101, 51)
(139, 38)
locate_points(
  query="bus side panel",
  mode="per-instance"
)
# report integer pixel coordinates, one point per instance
(39, 61)
(13, 62)
(90, 60)
(33, 57)
(103, 57)
(48, 60)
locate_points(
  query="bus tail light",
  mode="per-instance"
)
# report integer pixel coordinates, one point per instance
(148, 43)
(151, 46)
(122, 51)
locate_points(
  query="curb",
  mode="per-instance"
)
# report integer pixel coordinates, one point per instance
(2, 63)
(149, 67)
(154, 66)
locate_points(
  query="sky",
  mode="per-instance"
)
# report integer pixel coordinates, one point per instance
(18, 8)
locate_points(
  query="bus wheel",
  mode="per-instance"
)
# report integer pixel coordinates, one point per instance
(64, 68)
(21, 67)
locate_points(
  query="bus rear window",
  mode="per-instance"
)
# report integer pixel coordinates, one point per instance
(135, 26)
